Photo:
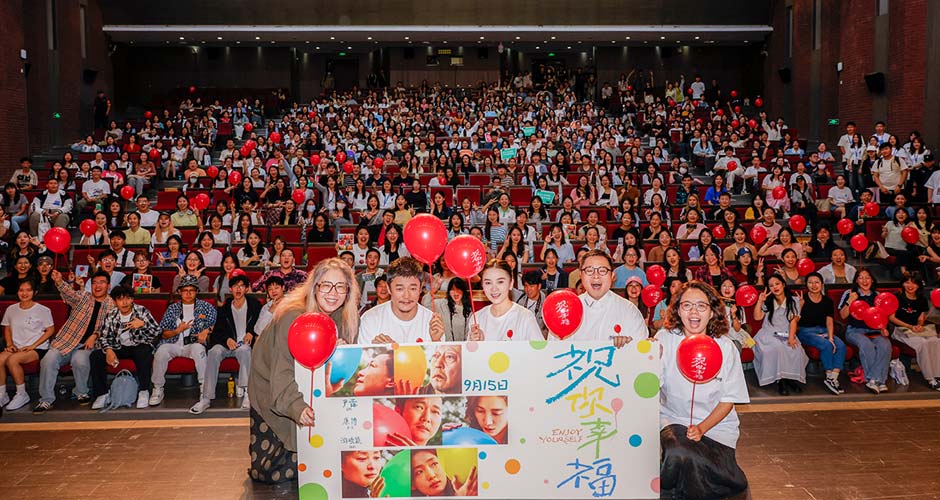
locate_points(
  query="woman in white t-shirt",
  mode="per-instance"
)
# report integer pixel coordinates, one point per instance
(698, 460)
(503, 319)
(27, 327)
(840, 195)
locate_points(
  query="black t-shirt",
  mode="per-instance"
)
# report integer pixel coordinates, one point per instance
(91, 323)
(911, 309)
(815, 313)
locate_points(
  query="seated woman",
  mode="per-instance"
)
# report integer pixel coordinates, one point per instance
(164, 230)
(277, 405)
(748, 271)
(211, 256)
(787, 270)
(141, 267)
(691, 228)
(172, 254)
(778, 355)
(737, 316)
(838, 271)
(321, 231)
(27, 327)
(912, 329)
(193, 265)
(774, 246)
(253, 254)
(221, 285)
(713, 271)
(698, 461)
(100, 236)
(738, 243)
(874, 348)
(22, 271)
(705, 240)
(816, 329)
(392, 248)
(184, 216)
(821, 246)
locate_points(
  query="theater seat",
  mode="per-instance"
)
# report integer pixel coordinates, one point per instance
(229, 365)
(747, 355)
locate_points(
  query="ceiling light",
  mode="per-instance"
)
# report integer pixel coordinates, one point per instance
(182, 38)
(308, 41)
(368, 38)
(257, 38)
(553, 38)
(317, 47)
(537, 47)
(697, 37)
(348, 48)
(628, 38)
(272, 41)
(662, 38)
(332, 38)
(203, 41)
(238, 41)
(407, 38)
(569, 47)
(445, 41)
(517, 38)
(481, 38)
(612, 41)
(218, 38)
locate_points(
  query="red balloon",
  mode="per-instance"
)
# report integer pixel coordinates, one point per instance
(465, 255)
(58, 240)
(245, 151)
(656, 275)
(759, 102)
(249, 127)
(340, 156)
(887, 303)
(312, 339)
(858, 309)
(201, 201)
(299, 196)
(720, 112)
(734, 93)
(148, 115)
(387, 421)
(699, 358)
(752, 123)
(348, 166)
(562, 312)
(875, 319)
(237, 272)
(192, 89)
(212, 171)
(910, 235)
(719, 232)
(312, 114)
(425, 237)
(378, 162)
(737, 109)
(872, 209)
(779, 192)
(651, 295)
(859, 242)
(88, 227)
(629, 88)
(735, 123)
(758, 234)
(154, 153)
(127, 192)
(746, 296)
(698, 120)
(845, 226)
(672, 102)
(805, 266)
(234, 178)
(251, 144)
(690, 90)
(935, 297)
(275, 137)
(798, 223)
(732, 166)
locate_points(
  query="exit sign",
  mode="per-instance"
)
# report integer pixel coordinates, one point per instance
(833, 121)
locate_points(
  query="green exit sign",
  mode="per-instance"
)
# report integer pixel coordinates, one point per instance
(833, 121)
(342, 54)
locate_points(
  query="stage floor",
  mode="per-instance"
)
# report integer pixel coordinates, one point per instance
(832, 451)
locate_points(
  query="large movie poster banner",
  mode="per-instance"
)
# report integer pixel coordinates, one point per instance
(483, 419)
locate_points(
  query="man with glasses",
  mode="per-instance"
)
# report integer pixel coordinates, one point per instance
(606, 314)
(232, 337)
(185, 326)
(402, 319)
(107, 261)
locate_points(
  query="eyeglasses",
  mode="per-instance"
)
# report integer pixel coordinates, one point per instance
(325, 287)
(598, 271)
(699, 306)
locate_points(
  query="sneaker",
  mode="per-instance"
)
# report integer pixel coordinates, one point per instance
(143, 399)
(83, 399)
(832, 385)
(239, 392)
(873, 386)
(4, 399)
(156, 397)
(246, 404)
(883, 387)
(835, 382)
(20, 399)
(100, 402)
(200, 406)
(934, 384)
(41, 408)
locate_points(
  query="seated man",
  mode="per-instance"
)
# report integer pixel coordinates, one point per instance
(95, 192)
(186, 326)
(402, 319)
(52, 204)
(274, 288)
(73, 344)
(231, 338)
(107, 261)
(128, 332)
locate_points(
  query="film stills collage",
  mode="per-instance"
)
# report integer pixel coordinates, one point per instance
(426, 435)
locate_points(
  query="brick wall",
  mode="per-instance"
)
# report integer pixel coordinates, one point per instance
(907, 67)
(12, 87)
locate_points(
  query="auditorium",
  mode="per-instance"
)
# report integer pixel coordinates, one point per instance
(322, 250)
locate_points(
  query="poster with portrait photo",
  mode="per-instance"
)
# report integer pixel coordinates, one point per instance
(477, 421)
(376, 473)
(355, 371)
(444, 472)
(412, 421)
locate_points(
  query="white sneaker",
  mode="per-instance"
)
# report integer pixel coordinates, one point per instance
(873, 386)
(246, 404)
(883, 387)
(4, 398)
(143, 399)
(200, 406)
(100, 402)
(157, 397)
(19, 400)
(239, 392)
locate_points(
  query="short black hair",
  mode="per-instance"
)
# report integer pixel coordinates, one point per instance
(274, 280)
(121, 291)
(26, 159)
(405, 267)
(532, 277)
(241, 278)
(101, 274)
(108, 253)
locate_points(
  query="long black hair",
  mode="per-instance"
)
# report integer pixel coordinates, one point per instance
(787, 293)
(465, 299)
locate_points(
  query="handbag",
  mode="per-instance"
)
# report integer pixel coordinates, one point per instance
(44, 226)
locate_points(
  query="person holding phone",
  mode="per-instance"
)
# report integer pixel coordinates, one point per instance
(127, 332)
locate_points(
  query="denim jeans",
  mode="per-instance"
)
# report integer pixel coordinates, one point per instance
(817, 336)
(214, 359)
(79, 358)
(17, 222)
(874, 353)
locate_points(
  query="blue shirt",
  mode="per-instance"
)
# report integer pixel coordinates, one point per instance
(622, 274)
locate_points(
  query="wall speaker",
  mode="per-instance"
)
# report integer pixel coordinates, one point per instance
(875, 82)
(785, 74)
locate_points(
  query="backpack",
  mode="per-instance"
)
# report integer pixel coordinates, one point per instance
(123, 391)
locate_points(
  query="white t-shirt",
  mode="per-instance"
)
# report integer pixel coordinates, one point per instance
(149, 219)
(698, 88)
(889, 171)
(934, 183)
(27, 325)
(602, 319)
(241, 320)
(841, 196)
(381, 320)
(94, 189)
(125, 336)
(518, 320)
(675, 393)
(212, 258)
(189, 311)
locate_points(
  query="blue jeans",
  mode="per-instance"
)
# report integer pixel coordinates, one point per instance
(79, 358)
(874, 353)
(817, 336)
(17, 222)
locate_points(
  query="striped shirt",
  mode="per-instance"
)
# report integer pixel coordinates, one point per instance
(83, 306)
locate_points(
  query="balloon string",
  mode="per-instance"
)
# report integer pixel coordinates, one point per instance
(692, 409)
(310, 428)
(473, 308)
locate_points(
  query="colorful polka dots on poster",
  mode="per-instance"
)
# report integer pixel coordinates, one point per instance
(513, 466)
(635, 440)
(654, 484)
(317, 393)
(482, 455)
(644, 346)
(301, 467)
(646, 385)
(538, 345)
(327, 473)
(367, 425)
(499, 362)
(316, 440)
(312, 491)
